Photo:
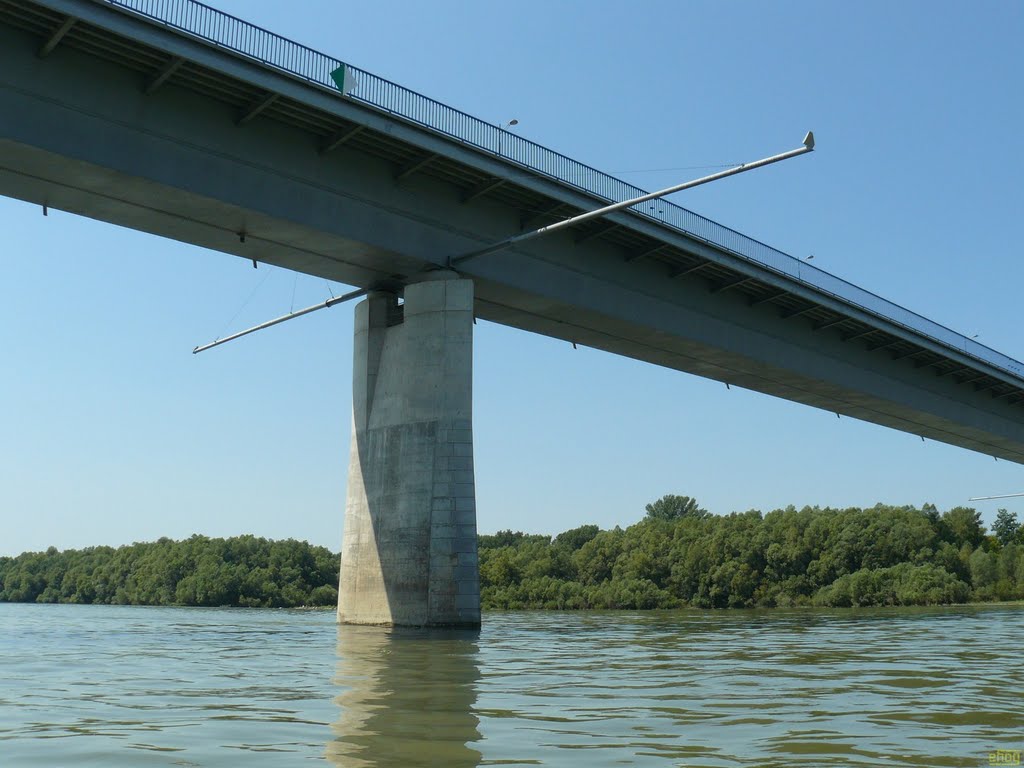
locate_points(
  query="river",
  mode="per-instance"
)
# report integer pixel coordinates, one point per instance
(134, 686)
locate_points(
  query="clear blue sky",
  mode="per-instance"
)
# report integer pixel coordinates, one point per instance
(112, 431)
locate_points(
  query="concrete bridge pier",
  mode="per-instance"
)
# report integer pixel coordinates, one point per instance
(409, 552)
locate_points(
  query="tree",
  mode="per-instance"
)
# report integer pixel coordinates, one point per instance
(1006, 527)
(577, 537)
(678, 555)
(984, 570)
(672, 507)
(198, 571)
(964, 526)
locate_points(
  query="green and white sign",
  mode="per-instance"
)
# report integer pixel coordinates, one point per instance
(344, 78)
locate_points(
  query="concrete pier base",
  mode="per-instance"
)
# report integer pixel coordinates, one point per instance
(409, 553)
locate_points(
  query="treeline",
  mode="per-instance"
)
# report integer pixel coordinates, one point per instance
(242, 571)
(680, 555)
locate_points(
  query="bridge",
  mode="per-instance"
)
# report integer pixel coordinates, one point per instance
(175, 119)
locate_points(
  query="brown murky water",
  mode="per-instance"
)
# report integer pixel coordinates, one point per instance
(129, 686)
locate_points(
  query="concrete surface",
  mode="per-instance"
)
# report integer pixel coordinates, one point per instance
(409, 554)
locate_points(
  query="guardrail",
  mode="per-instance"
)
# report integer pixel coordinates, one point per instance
(241, 37)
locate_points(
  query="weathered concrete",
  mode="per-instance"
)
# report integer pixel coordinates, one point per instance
(409, 555)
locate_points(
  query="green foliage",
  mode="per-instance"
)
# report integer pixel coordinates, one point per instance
(672, 507)
(244, 571)
(577, 537)
(984, 571)
(962, 525)
(903, 584)
(679, 555)
(1006, 528)
(508, 539)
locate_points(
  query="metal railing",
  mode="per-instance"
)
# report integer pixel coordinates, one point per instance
(231, 33)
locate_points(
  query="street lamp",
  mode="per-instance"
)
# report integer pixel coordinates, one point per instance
(502, 127)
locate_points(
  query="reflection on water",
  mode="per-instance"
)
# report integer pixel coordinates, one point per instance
(110, 686)
(407, 698)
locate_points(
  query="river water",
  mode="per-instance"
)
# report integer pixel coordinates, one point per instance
(132, 686)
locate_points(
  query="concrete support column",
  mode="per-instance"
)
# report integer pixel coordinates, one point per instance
(409, 554)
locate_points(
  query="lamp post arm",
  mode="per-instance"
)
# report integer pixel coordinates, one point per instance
(808, 146)
(290, 316)
(515, 239)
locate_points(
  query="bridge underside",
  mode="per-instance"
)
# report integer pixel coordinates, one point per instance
(81, 133)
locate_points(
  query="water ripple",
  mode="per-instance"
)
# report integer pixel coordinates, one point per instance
(119, 686)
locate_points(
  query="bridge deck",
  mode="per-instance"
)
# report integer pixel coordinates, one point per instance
(486, 163)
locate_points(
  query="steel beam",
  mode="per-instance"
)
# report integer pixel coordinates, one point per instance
(979, 377)
(1006, 394)
(163, 75)
(256, 107)
(543, 213)
(597, 233)
(56, 37)
(798, 312)
(645, 253)
(829, 323)
(912, 353)
(335, 140)
(414, 165)
(733, 284)
(681, 271)
(860, 335)
(482, 189)
(883, 345)
(771, 297)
